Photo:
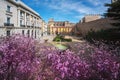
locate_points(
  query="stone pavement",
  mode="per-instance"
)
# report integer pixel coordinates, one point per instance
(75, 39)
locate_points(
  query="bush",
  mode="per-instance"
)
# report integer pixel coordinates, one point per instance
(18, 60)
(59, 38)
(99, 64)
(68, 40)
(64, 66)
(68, 66)
(109, 35)
(22, 59)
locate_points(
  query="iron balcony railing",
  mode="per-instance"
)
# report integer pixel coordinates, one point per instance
(9, 12)
(22, 25)
(8, 24)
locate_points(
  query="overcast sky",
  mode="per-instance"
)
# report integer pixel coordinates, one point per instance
(70, 10)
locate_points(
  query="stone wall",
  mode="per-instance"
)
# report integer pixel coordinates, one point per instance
(84, 28)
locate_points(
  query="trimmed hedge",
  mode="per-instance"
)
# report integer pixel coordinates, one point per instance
(61, 38)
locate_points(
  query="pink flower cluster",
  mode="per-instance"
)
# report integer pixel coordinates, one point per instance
(68, 66)
(17, 59)
(22, 58)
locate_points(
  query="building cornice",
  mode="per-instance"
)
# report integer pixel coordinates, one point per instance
(20, 28)
(24, 6)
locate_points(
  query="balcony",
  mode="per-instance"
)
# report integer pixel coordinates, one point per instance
(32, 26)
(8, 13)
(8, 24)
(22, 25)
(28, 26)
(21, 17)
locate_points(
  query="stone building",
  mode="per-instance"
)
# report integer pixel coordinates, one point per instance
(113, 1)
(59, 27)
(44, 28)
(90, 17)
(96, 25)
(18, 18)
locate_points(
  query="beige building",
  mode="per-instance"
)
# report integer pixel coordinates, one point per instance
(59, 27)
(87, 23)
(90, 17)
(96, 25)
(44, 28)
(114, 1)
(16, 17)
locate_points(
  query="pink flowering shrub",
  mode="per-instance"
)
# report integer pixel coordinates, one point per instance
(18, 60)
(105, 65)
(106, 62)
(90, 63)
(22, 58)
(68, 66)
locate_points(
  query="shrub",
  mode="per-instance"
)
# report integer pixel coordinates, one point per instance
(68, 40)
(105, 64)
(90, 63)
(18, 60)
(64, 66)
(59, 38)
(109, 35)
(21, 58)
(68, 66)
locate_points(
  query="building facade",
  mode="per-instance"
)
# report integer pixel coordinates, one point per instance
(113, 1)
(17, 18)
(90, 17)
(59, 27)
(44, 28)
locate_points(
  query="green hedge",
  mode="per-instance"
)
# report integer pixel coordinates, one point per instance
(109, 35)
(61, 38)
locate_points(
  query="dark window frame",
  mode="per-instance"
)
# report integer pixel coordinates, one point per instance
(23, 32)
(8, 8)
(8, 20)
(8, 32)
(28, 33)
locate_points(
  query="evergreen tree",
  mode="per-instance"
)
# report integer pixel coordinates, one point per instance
(113, 10)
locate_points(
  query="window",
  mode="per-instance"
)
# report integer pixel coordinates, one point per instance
(21, 14)
(32, 33)
(20, 22)
(28, 33)
(23, 32)
(8, 33)
(35, 33)
(8, 8)
(8, 20)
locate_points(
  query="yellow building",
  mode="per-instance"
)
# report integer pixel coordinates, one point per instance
(59, 27)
